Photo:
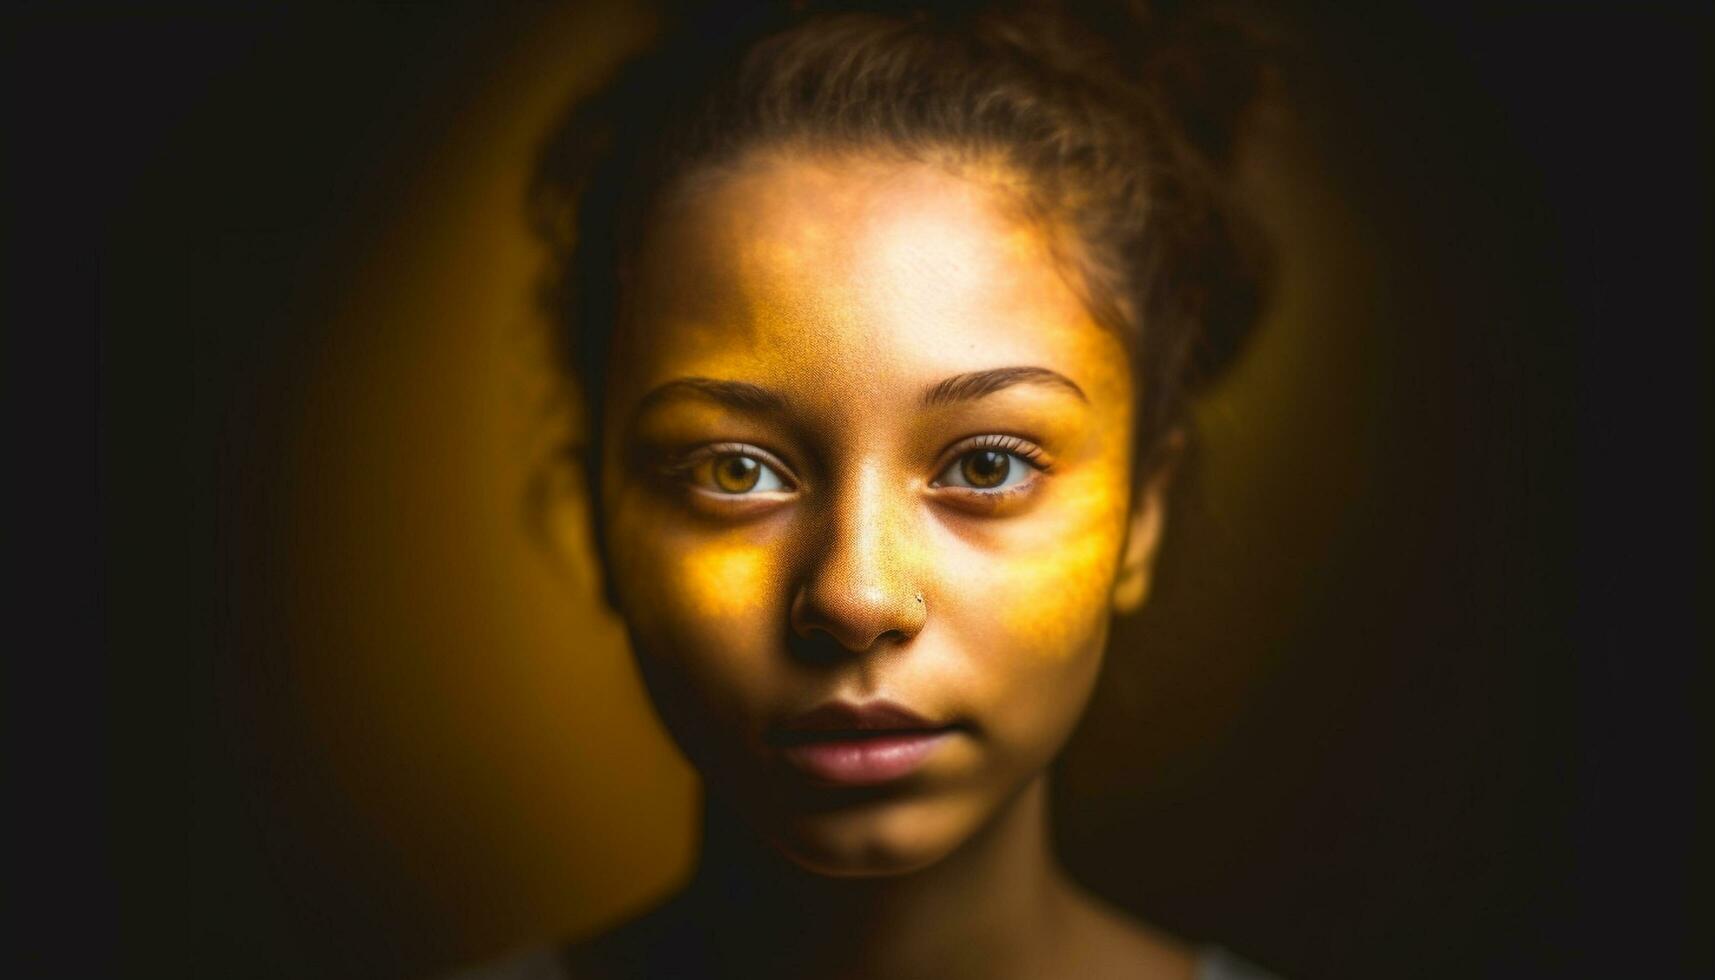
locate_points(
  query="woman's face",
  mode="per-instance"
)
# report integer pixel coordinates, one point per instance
(865, 493)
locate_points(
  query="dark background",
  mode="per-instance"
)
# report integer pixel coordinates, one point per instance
(1478, 759)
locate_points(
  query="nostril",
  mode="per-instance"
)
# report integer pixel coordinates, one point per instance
(817, 646)
(825, 625)
(821, 647)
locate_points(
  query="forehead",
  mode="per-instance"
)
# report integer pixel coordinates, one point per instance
(851, 274)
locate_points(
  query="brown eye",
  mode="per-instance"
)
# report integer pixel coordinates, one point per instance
(993, 469)
(985, 469)
(736, 474)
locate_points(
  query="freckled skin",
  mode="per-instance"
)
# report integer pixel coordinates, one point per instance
(849, 286)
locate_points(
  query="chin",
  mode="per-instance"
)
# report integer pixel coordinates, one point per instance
(875, 840)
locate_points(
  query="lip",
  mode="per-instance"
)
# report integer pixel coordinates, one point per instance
(847, 744)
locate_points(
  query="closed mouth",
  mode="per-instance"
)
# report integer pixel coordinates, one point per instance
(849, 744)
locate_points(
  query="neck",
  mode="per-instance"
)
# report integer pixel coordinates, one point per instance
(990, 908)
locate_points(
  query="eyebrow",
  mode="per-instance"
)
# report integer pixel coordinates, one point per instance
(976, 384)
(741, 395)
(744, 396)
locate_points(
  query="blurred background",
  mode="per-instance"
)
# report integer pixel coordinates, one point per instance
(307, 686)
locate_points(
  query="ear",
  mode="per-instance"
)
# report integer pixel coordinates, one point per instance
(1143, 529)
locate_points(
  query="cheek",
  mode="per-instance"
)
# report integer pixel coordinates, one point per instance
(1046, 584)
(664, 571)
(721, 583)
(1033, 606)
(703, 604)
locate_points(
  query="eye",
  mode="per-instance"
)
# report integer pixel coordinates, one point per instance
(992, 466)
(735, 473)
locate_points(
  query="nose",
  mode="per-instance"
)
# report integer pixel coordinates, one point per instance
(860, 588)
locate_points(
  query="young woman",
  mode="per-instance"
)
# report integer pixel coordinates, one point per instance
(885, 323)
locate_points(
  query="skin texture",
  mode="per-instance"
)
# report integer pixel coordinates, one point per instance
(859, 327)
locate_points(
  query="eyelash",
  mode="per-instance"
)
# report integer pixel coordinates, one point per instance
(1016, 445)
(685, 468)
(1019, 448)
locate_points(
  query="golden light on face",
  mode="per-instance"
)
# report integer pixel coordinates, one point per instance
(722, 579)
(863, 443)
